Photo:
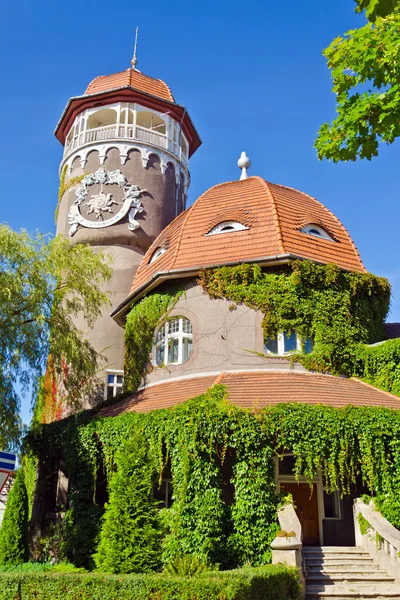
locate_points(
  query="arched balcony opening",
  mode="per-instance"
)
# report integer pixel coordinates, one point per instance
(127, 121)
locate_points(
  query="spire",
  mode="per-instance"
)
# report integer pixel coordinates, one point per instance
(244, 163)
(134, 60)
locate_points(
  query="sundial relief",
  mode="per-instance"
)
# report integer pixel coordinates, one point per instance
(103, 208)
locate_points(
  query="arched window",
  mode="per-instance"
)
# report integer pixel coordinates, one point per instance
(317, 231)
(150, 120)
(288, 342)
(156, 254)
(227, 227)
(173, 342)
(102, 118)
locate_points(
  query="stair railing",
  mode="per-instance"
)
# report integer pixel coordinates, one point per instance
(377, 536)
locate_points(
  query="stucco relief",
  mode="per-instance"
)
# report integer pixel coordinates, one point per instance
(101, 205)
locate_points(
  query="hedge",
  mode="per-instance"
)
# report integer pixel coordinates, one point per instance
(272, 582)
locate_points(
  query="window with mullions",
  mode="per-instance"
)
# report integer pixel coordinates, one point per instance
(115, 381)
(173, 342)
(287, 342)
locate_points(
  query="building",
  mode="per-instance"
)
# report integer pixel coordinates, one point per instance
(124, 182)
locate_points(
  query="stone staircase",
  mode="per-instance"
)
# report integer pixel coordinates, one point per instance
(338, 573)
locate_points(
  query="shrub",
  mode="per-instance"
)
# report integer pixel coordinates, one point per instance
(187, 566)
(130, 540)
(14, 530)
(274, 582)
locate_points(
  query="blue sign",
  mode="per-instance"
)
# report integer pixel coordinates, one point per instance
(7, 461)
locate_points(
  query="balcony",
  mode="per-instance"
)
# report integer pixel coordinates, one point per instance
(135, 126)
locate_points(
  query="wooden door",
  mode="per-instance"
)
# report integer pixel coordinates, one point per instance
(306, 506)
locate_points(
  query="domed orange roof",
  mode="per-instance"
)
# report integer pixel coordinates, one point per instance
(273, 217)
(131, 78)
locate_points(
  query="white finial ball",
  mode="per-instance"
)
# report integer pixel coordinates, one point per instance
(244, 162)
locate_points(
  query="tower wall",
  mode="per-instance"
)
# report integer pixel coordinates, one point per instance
(126, 247)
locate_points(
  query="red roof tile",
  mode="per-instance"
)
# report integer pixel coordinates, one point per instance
(131, 78)
(274, 214)
(255, 390)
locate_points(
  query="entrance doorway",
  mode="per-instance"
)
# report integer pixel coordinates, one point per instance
(306, 505)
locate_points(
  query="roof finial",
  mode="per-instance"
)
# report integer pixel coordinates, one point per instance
(244, 163)
(134, 60)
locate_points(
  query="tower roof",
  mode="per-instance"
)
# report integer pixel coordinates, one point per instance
(272, 217)
(130, 78)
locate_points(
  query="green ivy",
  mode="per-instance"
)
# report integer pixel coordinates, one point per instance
(380, 365)
(139, 332)
(363, 524)
(339, 310)
(65, 186)
(195, 440)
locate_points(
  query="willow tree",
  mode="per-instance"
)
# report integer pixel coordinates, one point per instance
(45, 283)
(365, 70)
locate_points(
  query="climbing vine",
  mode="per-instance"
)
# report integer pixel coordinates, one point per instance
(338, 310)
(195, 442)
(65, 186)
(139, 332)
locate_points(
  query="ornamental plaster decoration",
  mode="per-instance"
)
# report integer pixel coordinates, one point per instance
(102, 203)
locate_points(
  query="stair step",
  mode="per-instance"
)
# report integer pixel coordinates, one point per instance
(341, 592)
(346, 559)
(333, 549)
(340, 568)
(359, 577)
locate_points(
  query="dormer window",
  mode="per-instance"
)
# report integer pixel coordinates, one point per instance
(227, 227)
(173, 342)
(288, 342)
(317, 231)
(156, 254)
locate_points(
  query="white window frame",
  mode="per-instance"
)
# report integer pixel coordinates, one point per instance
(236, 226)
(321, 232)
(157, 253)
(179, 335)
(117, 387)
(280, 338)
(336, 496)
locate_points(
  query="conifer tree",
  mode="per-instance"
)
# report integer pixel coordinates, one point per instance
(130, 539)
(14, 529)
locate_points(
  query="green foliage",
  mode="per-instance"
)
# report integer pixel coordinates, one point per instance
(139, 332)
(65, 186)
(130, 540)
(30, 465)
(36, 567)
(363, 524)
(274, 582)
(389, 505)
(188, 566)
(339, 310)
(364, 64)
(376, 8)
(380, 365)
(44, 283)
(14, 529)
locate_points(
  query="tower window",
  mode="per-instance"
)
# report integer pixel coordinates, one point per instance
(317, 231)
(115, 382)
(288, 342)
(227, 227)
(173, 343)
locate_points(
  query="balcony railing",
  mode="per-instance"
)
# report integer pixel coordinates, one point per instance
(131, 132)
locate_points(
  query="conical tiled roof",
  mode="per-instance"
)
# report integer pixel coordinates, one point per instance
(131, 78)
(274, 216)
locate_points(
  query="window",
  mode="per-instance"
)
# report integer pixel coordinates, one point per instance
(163, 493)
(156, 254)
(173, 342)
(115, 382)
(286, 465)
(332, 505)
(317, 231)
(227, 227)
(287, 342)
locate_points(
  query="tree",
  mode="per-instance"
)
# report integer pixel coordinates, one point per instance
(14, 529)
(130, 539)
(45, 283)
(365, 66)
(376, 8)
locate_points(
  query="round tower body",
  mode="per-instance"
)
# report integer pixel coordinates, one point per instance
(123, 178)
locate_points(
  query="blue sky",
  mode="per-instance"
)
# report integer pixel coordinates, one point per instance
(251, 75)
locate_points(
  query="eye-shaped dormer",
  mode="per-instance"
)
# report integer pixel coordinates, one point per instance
(317, 231)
